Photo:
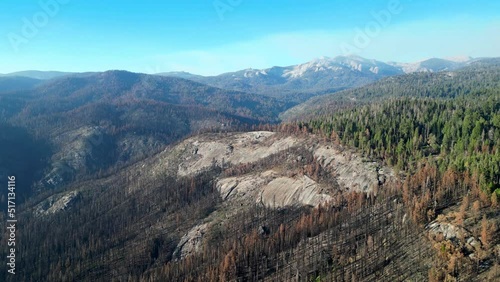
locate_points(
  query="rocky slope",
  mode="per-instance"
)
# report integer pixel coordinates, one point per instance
(258, 168)
(261, 168)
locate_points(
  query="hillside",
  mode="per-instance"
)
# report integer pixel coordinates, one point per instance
(448, 152)
(100, 122)
(161, 212)
(273, 206)
(17, 83)
(67, 93)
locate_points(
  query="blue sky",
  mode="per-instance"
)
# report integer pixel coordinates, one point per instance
(215, 36)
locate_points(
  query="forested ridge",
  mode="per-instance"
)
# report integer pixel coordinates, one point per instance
(446, 150)
(460, 134)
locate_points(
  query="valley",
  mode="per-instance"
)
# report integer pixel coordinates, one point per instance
(339, 169)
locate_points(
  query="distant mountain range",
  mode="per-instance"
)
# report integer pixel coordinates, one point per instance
(434, 65)
(474, 78)
(42, 75)
(295, 83)
(323, 75)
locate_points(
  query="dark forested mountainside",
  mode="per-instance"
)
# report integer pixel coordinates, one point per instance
(472, 80)
(94, 122)
(17, 83)
(69, 93)
(21, 155)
